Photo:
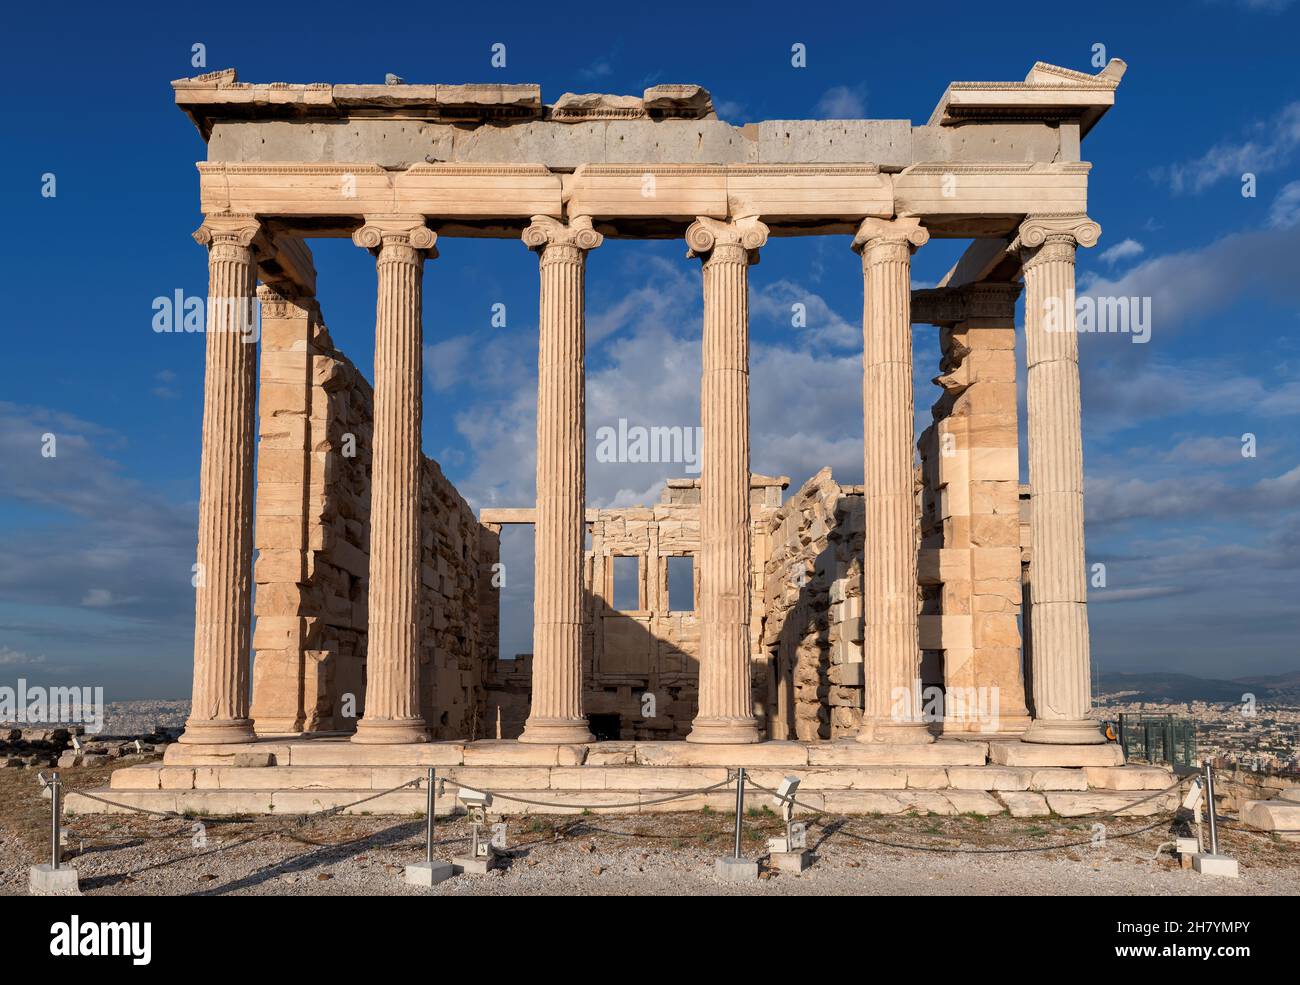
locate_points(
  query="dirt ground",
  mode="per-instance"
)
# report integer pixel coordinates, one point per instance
(655, 854)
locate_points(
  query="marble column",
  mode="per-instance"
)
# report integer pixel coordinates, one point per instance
(392, 705)
(725, 705)
(223, 576)
(556, 713)
(892, 650)
(1058, 574)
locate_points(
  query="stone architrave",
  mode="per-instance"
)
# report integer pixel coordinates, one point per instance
(1058, 575)
(223, 574)
(892, 652)
(392, 704)
(727, 249)
(556, 713)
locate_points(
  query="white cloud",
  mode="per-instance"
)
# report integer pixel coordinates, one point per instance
(1285, 210)
(1125, 249)
(842, 103)
(1270, 145)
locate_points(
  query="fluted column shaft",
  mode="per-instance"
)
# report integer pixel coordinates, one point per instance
(392, 705)
(1058, 575)
(892, 652)
(725, 703)
(224, 573)
(556, 713)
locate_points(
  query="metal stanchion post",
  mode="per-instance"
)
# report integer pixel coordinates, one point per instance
(428, 836)
(1209, 808)
(53, 878)
(735, 868)
(55, 833)
(740, 807)
(1211, 862)
(429, 872)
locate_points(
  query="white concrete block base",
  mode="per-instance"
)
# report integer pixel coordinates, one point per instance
(735, 869)
(1215, 865)
(45, 880)
(473, 866)
(791, 861)
(428, 873)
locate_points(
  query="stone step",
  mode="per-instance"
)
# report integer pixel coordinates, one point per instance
(1042, 754)
(338, 751)
(215, 802)
(218, 802)
(1124, 803)
(155, 776)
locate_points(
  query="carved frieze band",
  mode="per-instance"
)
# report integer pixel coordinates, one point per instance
(950, 305)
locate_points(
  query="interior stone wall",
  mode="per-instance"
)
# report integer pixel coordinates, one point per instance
(649, 650)
(812, 597)
(312, 536)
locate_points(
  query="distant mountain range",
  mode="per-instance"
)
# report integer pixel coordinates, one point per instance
(1278, 689)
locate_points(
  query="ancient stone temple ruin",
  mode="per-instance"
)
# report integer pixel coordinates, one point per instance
(348, 639)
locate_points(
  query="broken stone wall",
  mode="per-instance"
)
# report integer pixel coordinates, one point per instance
(812, 595)
(641, 665)
(312, 536)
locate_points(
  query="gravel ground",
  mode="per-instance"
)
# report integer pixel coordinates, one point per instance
(638, 855)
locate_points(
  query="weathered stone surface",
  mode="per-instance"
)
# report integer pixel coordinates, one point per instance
(1026, 754)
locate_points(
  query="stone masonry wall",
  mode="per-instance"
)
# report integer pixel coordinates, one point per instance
(312, 536)
(650, 649)
(812, 627)
(970, 566)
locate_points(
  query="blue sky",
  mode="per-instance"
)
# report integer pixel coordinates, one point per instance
(1201, 544)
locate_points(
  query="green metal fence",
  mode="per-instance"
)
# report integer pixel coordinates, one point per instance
(1158, 738)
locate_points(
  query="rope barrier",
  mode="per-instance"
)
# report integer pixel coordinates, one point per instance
(300, 820)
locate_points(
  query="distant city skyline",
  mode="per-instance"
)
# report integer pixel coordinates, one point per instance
(1192, 453)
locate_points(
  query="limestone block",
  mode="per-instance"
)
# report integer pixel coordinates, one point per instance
(143, 777)
(1070, 804)
(343, 753)
(939, 753)
(996, 563)
(974, 802)
(932, 778)
(974, 143)
(1052, 778)
(676, 142)
(887, 143)
(1280, 816)
(1032, 754)
(1023, 804)
(703, 754)
(1132, 777)
(175, 778)
(989, 778)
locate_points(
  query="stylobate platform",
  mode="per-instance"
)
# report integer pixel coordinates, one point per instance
(301, 775)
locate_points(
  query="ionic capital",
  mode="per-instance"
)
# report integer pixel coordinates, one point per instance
(546, 231)
(1071, 229)
(231, 230)
(905, 231)
(708, 237)
(380, 232)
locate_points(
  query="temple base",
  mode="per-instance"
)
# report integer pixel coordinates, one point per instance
(1064, 732)
(391, 731)
(556, 730)
(217, 731)
(909, 733)
(724, 731)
